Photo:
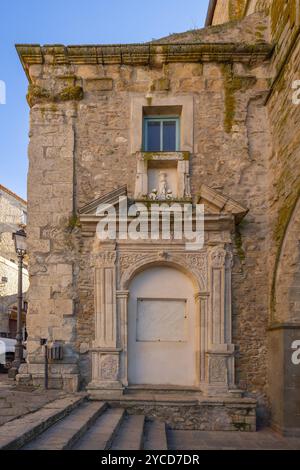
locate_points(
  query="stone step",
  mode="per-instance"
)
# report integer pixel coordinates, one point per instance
(103, 431)
(19, 432)
(130, 434)
(155, 437)
(65, 433)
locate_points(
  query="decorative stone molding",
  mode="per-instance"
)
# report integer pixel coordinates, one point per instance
(109, 367)
(106, 259)
(218, 258)
(220, 352)
(105, 351)
(217, 370)
(141, 54)
(198, 262)
(132, 262)
(183, 102)
(210, 272)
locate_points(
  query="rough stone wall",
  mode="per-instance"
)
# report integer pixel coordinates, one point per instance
(52, 241)
(229, 10)
(80, 149)
(284, 118)
(11, 216)
(9, 289)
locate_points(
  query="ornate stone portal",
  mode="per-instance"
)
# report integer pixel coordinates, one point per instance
(209, 269)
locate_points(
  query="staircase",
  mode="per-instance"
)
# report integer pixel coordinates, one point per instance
(87, 425)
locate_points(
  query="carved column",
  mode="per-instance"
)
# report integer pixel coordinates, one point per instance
(122, 304)
(219, 357)
(201, 300)
(105, 350)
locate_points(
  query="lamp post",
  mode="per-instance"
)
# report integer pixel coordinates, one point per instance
(20, 246)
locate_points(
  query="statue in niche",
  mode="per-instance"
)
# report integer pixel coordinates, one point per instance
(163, 187)
(153, 195)
(169, 194)
(187, 186)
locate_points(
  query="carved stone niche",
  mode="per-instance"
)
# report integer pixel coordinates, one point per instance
(162, 176)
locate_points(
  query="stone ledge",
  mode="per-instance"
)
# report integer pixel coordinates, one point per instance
(188, 412)
(188, 415)
(141, 54)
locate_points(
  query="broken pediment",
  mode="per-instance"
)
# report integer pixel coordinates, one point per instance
(214, 202)
(111, 198)
(217, 203)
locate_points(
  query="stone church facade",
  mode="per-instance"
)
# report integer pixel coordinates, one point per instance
(201, 337)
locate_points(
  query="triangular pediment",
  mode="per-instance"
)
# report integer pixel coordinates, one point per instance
(217, 203)
(111, 198)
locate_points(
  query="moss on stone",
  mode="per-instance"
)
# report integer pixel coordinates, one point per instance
(232, 85)
(263, 5)
(70, 93)
(37, 94)
(148, 156)
(161, 84)
(73, 222)
(238, 241)
(242, 427)
(236, 9)
(285, 214)
(281, 13)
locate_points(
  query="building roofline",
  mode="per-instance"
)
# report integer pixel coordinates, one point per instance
(141, 54)
(11, 193)
(210, 12)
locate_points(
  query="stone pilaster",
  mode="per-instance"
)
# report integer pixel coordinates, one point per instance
(105, 350)
(219, 375)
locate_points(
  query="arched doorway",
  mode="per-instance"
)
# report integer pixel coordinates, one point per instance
(161, 328)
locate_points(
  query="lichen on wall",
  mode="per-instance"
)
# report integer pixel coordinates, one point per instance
(282, 13)
(236, 9)
(232, 85)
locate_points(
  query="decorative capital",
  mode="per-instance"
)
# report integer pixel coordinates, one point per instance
(122, 294)
(106, 259)
(201, 296)
(217, 257)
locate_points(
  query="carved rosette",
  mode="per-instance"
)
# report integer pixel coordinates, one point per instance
(198, 263)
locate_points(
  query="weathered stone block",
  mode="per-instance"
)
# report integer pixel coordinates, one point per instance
(98, 84)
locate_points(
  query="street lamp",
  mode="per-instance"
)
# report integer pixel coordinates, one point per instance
(19, 238)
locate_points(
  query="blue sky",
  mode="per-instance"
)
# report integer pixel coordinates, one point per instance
(71, 22)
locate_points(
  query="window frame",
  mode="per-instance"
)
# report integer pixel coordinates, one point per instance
(160, 119)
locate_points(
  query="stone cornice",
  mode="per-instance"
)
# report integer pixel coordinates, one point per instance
(141, 54)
